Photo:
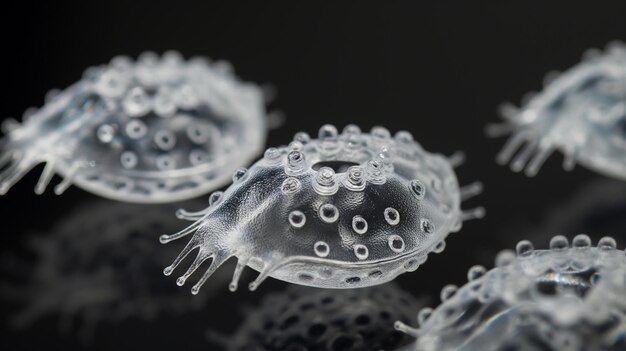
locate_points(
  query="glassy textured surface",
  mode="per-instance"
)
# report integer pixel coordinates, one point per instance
(345, 210)
(159, 129)
(570, 297)
(581, 112)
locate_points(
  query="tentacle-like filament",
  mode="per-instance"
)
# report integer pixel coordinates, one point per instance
(414, 332)
(474, 213)
(241, 264)
(165, 238)
(471, 190)
(268, 268)
(21, 165)
(218, 259)
(191, 216)
(457, 159)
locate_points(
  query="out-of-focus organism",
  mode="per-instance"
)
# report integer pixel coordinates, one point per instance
(581, 112)
(302, 318)
(159, 129)
(342, 211)
(100, 265)
(566, 298)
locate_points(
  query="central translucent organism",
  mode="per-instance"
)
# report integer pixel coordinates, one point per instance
(341, 211)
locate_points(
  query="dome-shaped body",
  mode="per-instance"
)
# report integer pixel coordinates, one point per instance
(342, 211)
(565, 298)
(96, 266)
(581, 112)
(302, 318)
(154, 130)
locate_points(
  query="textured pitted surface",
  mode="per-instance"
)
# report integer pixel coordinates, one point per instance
(326, 320)
(581, 112)
(341, 211)
(570, 297)
(156, 130)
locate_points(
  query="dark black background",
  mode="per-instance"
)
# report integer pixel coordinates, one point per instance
(436, 69)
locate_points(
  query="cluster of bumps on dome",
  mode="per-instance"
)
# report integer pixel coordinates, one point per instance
(569, 297)
(158, 129)
(344, 210)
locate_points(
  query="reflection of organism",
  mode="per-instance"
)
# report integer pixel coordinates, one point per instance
(564, 298)
(98, 265)
(155, 130)
(303, 318)
(581, 112)
(597, 207)
(342, 211)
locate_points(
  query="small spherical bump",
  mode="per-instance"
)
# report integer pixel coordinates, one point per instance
(180, 281)
(195, 290)
(137, 103)
(321, 249)
(129, 159)
(375, 173)
(607, 243)
(351, 129)
(297, 219)
(302, 137)
(215, 197)
(295, 145)
(418, 189)
(559, 243)
(295, 163)
(328, 213)
(361, 251)
(328, 132)
(396, 243)
(165, 162)
(448, 291)
(359, 225)
(440, 247)
(427, 226)
(165, 140)
(105, 133)
(325, 183)
(404, 137)
(240, 175)
(524, 248)
(424, 314)
(198, 157)
(198, 133)
(380, 133)
(476, 272)
(504, 258)
(581, 241)
(355, 179)
(272, 155)
(136, 129)
(164, 104)
(392, 216)
(168, 270)
(290, 186)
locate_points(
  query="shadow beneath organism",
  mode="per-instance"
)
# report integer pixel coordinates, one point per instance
(596, 208)
(313, 319)
(102, 263)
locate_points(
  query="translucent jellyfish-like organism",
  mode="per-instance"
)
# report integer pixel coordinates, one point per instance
(566, 298)
(302, 318)
(582, 112)
(95, 267)
(341, 211)
(154, 130)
